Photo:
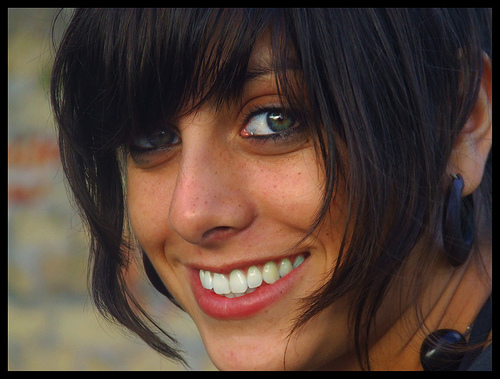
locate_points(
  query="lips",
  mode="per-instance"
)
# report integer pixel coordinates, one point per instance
(226, 306)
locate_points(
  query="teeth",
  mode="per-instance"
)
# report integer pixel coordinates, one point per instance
(254, 277)
(237, 284)
(298, 261)
(206, 279)
(285, 267)
(221, 284)
(250, 290)
(270, 273)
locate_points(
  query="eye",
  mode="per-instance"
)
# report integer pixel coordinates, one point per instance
(268, 122)
(158, 140)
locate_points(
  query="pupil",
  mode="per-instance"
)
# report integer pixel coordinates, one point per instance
(278, 122)
(160, 139)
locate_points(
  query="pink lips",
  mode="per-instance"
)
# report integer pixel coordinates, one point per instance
(222, 308)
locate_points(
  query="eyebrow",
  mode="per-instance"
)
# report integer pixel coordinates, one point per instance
(254, 73)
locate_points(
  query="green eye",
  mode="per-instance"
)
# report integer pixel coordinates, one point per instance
(278, 122)
(268, 123)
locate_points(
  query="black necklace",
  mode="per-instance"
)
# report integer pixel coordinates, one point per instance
(446, 349)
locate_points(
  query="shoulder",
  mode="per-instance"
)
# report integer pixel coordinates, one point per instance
(483, 362)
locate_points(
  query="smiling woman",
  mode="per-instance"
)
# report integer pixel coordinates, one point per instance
(285, 174)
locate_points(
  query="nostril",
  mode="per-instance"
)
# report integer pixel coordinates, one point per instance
(217, 233)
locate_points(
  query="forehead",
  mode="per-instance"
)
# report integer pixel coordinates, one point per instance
(262, 54)
(224, 82)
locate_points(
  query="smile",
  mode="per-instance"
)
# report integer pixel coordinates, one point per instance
(246, 291)
(238, 283)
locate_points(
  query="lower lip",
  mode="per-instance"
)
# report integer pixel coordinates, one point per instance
(222, 308)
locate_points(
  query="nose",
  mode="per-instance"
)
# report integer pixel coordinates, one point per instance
(209, 203)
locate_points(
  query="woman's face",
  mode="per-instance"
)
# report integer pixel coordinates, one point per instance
(219, 206)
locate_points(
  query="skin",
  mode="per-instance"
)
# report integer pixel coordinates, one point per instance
(219, 197)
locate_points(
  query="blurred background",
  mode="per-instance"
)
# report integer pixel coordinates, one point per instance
(52, 324)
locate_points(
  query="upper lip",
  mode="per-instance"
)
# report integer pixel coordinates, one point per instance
(228, 267)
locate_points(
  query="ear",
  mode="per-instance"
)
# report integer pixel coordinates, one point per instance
(473, 143)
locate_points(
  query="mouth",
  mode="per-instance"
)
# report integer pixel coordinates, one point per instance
(243, 292)
(243, 282)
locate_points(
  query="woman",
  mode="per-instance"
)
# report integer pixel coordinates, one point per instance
(313, 187)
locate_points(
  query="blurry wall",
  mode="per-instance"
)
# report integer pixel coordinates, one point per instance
(52, 324)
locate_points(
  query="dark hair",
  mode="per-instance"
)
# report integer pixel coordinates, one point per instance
(387, 93)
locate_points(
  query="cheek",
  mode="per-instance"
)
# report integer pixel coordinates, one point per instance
(290, 192)
(148, 199)
(292, 197)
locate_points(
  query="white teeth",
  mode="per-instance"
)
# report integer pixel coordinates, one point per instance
(206, 279)
(254, 277)
(270, 273)
(285, 267)
(221, 284)
(250, 290)
(238, 284)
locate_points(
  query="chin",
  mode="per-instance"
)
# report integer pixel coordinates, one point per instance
(250, 359)
(243, 349)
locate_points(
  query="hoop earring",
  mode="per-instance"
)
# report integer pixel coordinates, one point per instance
(458, 223)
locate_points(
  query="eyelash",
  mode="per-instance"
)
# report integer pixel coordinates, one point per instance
(137, 151)
(260, 109)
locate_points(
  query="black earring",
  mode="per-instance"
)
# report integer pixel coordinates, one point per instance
(458, 223)
(443, 350)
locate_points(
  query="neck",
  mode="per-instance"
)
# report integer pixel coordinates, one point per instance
(452, 300)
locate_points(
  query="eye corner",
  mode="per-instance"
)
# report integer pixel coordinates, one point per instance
(245, 133)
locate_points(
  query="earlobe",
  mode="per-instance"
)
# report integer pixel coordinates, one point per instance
(473, 143)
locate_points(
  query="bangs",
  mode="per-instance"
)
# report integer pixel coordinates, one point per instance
(146, 66)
